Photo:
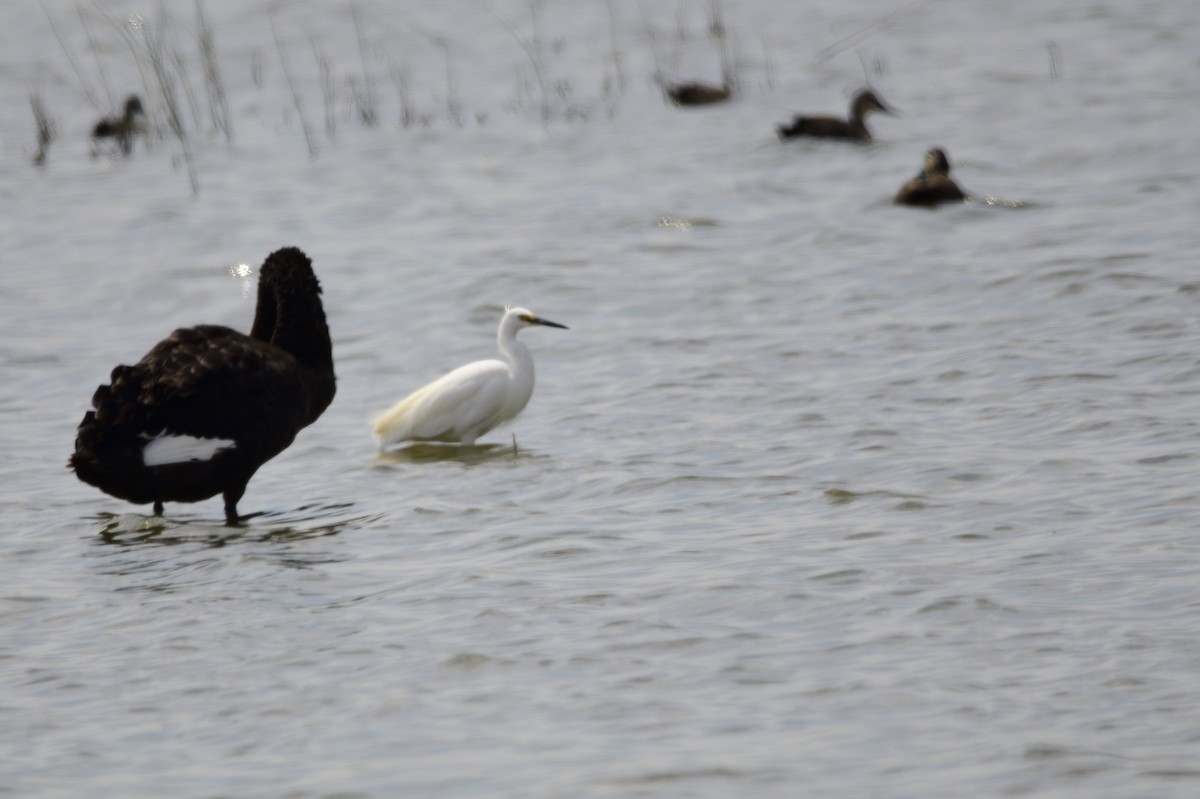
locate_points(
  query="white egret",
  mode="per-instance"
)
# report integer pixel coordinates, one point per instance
(463, 405)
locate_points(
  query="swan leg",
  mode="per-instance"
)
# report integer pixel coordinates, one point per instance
(231, 500)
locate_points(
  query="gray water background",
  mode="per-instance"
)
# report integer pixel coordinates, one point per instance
(818, 496)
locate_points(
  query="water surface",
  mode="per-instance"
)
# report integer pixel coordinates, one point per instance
(818, 495)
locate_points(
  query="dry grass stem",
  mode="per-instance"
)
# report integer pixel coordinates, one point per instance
(296, 101)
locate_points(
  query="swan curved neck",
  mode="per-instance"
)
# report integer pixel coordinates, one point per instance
(295, 322)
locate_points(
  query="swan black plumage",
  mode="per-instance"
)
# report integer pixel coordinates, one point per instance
(208, 405)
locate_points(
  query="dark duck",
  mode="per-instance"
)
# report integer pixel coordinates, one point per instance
(208, 405)
(854, 129)
(933, 184)
(692, 94)
(122, 129)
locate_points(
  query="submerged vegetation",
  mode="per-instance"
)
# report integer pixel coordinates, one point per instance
(177, 59)
(46, 128)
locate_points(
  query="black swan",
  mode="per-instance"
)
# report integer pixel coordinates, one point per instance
(208, 405)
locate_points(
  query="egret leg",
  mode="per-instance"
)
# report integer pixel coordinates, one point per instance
(158, 507)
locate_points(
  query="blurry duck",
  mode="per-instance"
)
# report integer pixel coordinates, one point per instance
(933, 183)
(855, 129)
(125, 127)
(208, 405)
(695, 93)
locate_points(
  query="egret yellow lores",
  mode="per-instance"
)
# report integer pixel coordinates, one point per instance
(461, 406)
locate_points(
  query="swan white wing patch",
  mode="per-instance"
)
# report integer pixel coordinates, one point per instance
(171, 448)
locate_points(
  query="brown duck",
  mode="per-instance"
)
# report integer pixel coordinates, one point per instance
(933, 184)
(125, 127)
(854, 129)
(698, 93)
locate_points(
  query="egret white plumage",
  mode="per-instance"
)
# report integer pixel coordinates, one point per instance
(463, 405)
